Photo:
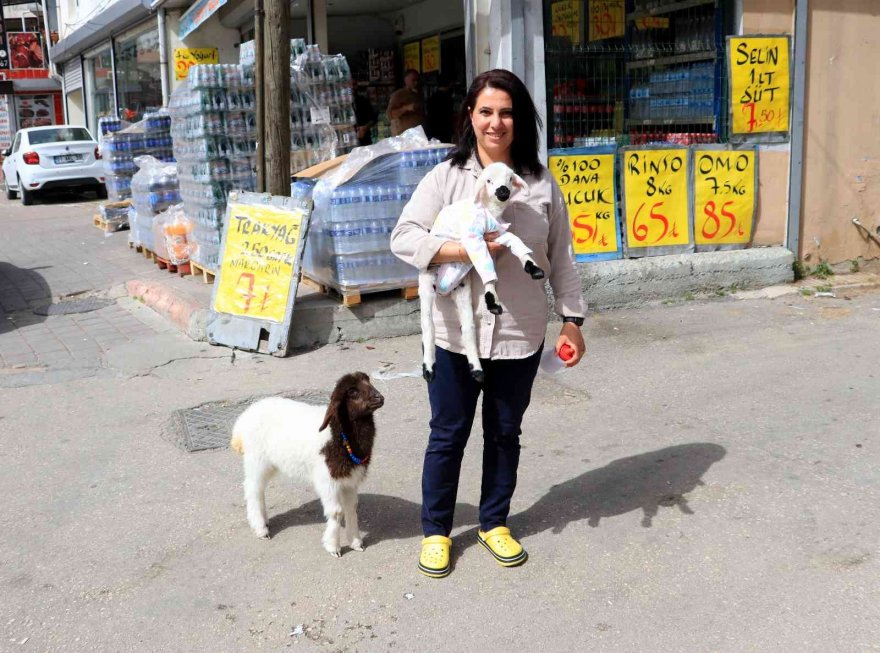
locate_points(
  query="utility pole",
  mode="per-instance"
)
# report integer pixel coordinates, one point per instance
(260, 95)
(276, 109)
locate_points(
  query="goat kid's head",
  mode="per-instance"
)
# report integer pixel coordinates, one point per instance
(353, 397)
(497, 183)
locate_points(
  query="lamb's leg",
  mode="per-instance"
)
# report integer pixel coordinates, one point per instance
(256, 475)
(492, 302)
(521, 251)
(426, 306)
(462, 298)
(333, 512)
(349, 507)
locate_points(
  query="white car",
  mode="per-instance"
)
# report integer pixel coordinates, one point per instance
(44, 158)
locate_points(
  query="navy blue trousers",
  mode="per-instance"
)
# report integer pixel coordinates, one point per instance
(453, 395)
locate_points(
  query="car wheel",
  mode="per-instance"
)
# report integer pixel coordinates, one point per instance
(101, 192)
(10, 194)
(27, 196)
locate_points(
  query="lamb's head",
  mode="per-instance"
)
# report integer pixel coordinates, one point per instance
(496, 184)
(353, 398)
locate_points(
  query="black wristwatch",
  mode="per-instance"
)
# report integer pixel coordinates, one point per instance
(579, 321)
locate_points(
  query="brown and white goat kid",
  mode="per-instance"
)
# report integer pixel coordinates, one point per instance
(467, 221)
(291, 436)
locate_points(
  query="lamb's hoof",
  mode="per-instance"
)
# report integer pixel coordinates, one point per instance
(262, 533)
(427, 374)
(493, 306)
(336, 553)
(357, 545)
(479, 375)
(533, 270)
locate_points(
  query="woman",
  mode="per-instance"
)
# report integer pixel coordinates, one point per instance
(498, 123)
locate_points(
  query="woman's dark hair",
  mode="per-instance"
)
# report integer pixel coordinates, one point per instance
(526, 122)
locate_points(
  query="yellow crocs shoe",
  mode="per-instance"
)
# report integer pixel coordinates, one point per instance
(434, 559)
(506, 550)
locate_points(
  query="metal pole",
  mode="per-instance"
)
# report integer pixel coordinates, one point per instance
(260, 96)
(798, 133)
(163, 56)
(470, 40)
(277, 89)
(115, 81)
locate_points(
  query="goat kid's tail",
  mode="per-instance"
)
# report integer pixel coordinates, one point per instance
(237, 443)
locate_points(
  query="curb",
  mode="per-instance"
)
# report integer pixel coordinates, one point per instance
(182, 311)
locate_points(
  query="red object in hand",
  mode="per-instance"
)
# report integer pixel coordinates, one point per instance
(566, 352)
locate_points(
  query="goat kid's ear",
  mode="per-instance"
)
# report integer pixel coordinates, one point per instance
(332, 410)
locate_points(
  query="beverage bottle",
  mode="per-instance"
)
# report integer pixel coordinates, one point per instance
(553, 362)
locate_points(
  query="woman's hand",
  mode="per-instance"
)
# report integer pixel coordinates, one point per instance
(571, 335)
(494, 248)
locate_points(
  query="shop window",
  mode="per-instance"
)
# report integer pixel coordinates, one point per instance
(99, 87)
(138, 80)
(625, 72)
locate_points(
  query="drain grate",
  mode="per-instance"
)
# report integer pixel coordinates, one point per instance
(76, 306)
(209, 426)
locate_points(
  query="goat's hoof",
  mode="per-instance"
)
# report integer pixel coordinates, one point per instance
(493, 306)
(533, 270)
(262, 533)
(428, 374)
(479, 375)
(357, 545)
(336, 553)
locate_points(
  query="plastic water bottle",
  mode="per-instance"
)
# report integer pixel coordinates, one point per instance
(551, 362)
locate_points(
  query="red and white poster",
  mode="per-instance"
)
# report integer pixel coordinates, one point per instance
(34, 110)
(6, 126)
(25, 50)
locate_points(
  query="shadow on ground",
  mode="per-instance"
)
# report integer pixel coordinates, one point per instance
(21, 289)
(644, 482)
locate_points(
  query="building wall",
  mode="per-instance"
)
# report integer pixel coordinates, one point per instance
(427, 18)
(842, 153)
(76, 110)
(210, 34)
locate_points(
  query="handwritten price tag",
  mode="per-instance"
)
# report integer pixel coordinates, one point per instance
(186, 58)
(565, 20)
(655, 186)
(724, 196)
(431, 54)
(607, 19)
(258, 261)
(587, 182)
(759, 84)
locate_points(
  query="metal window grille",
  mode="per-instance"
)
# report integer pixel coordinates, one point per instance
(660, 77)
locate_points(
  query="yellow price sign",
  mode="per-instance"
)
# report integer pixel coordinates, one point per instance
(759, 84)
(431, 54)
(186, 58)
(411, 58)
(587, 182)
(565, 19)
(655, 186)
(724, 196)
(258, 263)
(607, 19)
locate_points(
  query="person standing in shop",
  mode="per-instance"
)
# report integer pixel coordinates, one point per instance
(364, 115)
(441, 113)
(406, 109)
(498, 122)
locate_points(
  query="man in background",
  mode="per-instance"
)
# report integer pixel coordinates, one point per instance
(364, 115)
(405, 107)
(441, 113)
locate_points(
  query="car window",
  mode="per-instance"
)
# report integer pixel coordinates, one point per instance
(60, 135)
(16, 143)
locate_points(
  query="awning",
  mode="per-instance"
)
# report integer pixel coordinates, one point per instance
(198, 13)
(118, 16)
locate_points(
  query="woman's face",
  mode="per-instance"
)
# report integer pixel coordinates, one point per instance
(492, 120)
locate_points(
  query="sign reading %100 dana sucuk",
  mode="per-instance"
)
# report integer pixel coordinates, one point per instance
(259, 261)
(587, 183)
(656, 198)
(724, 197)
(759, 84)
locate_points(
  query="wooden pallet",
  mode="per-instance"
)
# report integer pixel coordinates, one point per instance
(136, 248)
(108, 227)
(165, 264)
(354, 297)
(197, 270)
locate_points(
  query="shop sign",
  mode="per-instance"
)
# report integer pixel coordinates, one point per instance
(260, 256)
(411, 56)
(25, 50)
(431, 54)
(607, 19)
(760, 84)
(35, 110)
(198, 13)
(587, 180)
(724, 197)
(656, 200)
(565, 19)
(186, 58)
(5, 123)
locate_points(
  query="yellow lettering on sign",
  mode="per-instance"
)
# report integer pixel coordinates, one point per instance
(411, 58)
(759, 84)
(565, 19)
(587, 182)
(186, 58)
(724, 196)
(607, 19)
(655, 185)
(259, 260)
(431, 54)
(652, 22)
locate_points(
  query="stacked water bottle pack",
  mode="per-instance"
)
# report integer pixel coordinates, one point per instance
(150, 137)
(350, 232)
(154, 190)
(157, 134)
(213, 126)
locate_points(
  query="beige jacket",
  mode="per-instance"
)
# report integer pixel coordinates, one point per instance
(541, 222)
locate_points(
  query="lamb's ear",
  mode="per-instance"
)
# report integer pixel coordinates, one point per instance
(482, 195)
(520, 184)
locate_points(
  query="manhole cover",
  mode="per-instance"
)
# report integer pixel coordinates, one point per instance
(209, 426)
(75, 306)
